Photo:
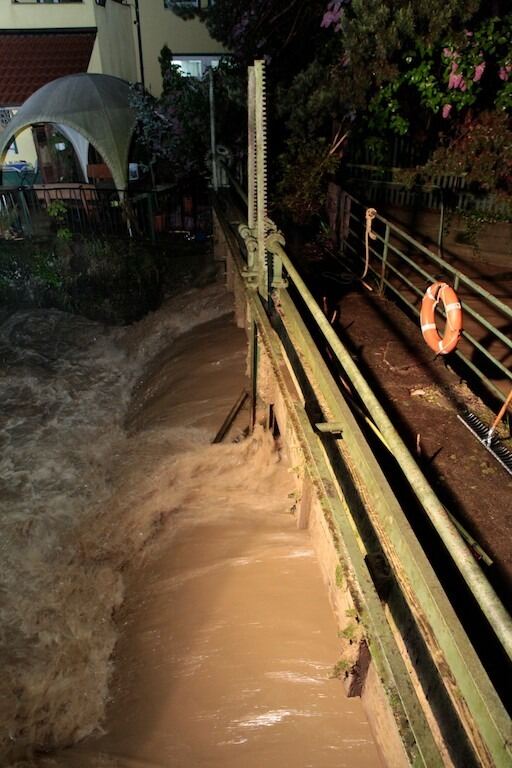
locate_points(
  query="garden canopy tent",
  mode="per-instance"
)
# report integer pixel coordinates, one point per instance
(97, 106)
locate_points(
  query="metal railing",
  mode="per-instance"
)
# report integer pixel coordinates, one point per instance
(14, 217)
(323, 417)
(88, 210)
(379, 185)
(403, 267)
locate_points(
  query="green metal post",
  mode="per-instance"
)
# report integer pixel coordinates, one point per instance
(253, 363)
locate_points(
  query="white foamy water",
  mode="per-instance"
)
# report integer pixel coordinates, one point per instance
(65, 384)
(272, 717)
(129, 537)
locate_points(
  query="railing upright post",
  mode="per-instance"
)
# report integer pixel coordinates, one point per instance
(441, 227)
(25, 213)
(384, 259)
(342, 227)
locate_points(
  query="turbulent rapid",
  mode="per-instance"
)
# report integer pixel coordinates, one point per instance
(160, 607)
(66, 532)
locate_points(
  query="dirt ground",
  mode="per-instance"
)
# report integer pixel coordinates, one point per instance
(423, 396)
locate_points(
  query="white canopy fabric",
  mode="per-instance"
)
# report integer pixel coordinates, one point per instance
(97, 106)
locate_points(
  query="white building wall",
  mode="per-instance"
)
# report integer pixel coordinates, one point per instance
(46, 15)
(115, 51)
(187, 39)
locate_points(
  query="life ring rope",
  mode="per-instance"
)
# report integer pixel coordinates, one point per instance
(435, 293)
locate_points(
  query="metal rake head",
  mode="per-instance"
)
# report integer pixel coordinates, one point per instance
(490, 442)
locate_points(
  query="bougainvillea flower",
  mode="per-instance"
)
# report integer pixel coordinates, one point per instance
(455, 81)
(479, 70)
(333, 14)
(504, 72)
(446, 110)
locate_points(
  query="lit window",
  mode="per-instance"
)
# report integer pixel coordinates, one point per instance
(45, 2)
(192, 67)
(181, 3)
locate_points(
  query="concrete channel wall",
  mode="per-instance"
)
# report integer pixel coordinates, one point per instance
(401, 648)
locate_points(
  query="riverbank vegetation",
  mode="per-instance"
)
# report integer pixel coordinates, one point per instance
(109, 280)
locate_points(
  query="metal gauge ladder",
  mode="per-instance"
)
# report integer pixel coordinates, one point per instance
(265, 267)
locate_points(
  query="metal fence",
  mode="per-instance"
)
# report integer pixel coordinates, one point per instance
(379, 185)
(400, 265)
(87, 210)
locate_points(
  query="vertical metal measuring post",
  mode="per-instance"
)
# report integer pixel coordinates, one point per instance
(248, 231)
(250, 235)
(251, 151)
(261, 173)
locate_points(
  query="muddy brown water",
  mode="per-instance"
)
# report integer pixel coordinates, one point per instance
(227, 639)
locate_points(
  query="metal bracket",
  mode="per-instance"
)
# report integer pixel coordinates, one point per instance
(330, 427)
(274, 237)
(250, 273)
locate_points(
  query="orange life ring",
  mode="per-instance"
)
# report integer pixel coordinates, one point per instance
(435, 293)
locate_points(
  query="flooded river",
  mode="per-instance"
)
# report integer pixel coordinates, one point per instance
(159, 605)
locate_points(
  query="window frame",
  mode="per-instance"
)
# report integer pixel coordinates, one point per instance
(181, 62)
(206, 60)
(170, 4)
(46, 2)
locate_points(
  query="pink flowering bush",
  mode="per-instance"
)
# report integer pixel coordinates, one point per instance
(469, 73)
(451, 82)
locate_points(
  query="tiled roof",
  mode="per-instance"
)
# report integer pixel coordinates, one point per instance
(30, 60)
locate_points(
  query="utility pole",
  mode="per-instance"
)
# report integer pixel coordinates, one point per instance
(139, 43)
(213, 143)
